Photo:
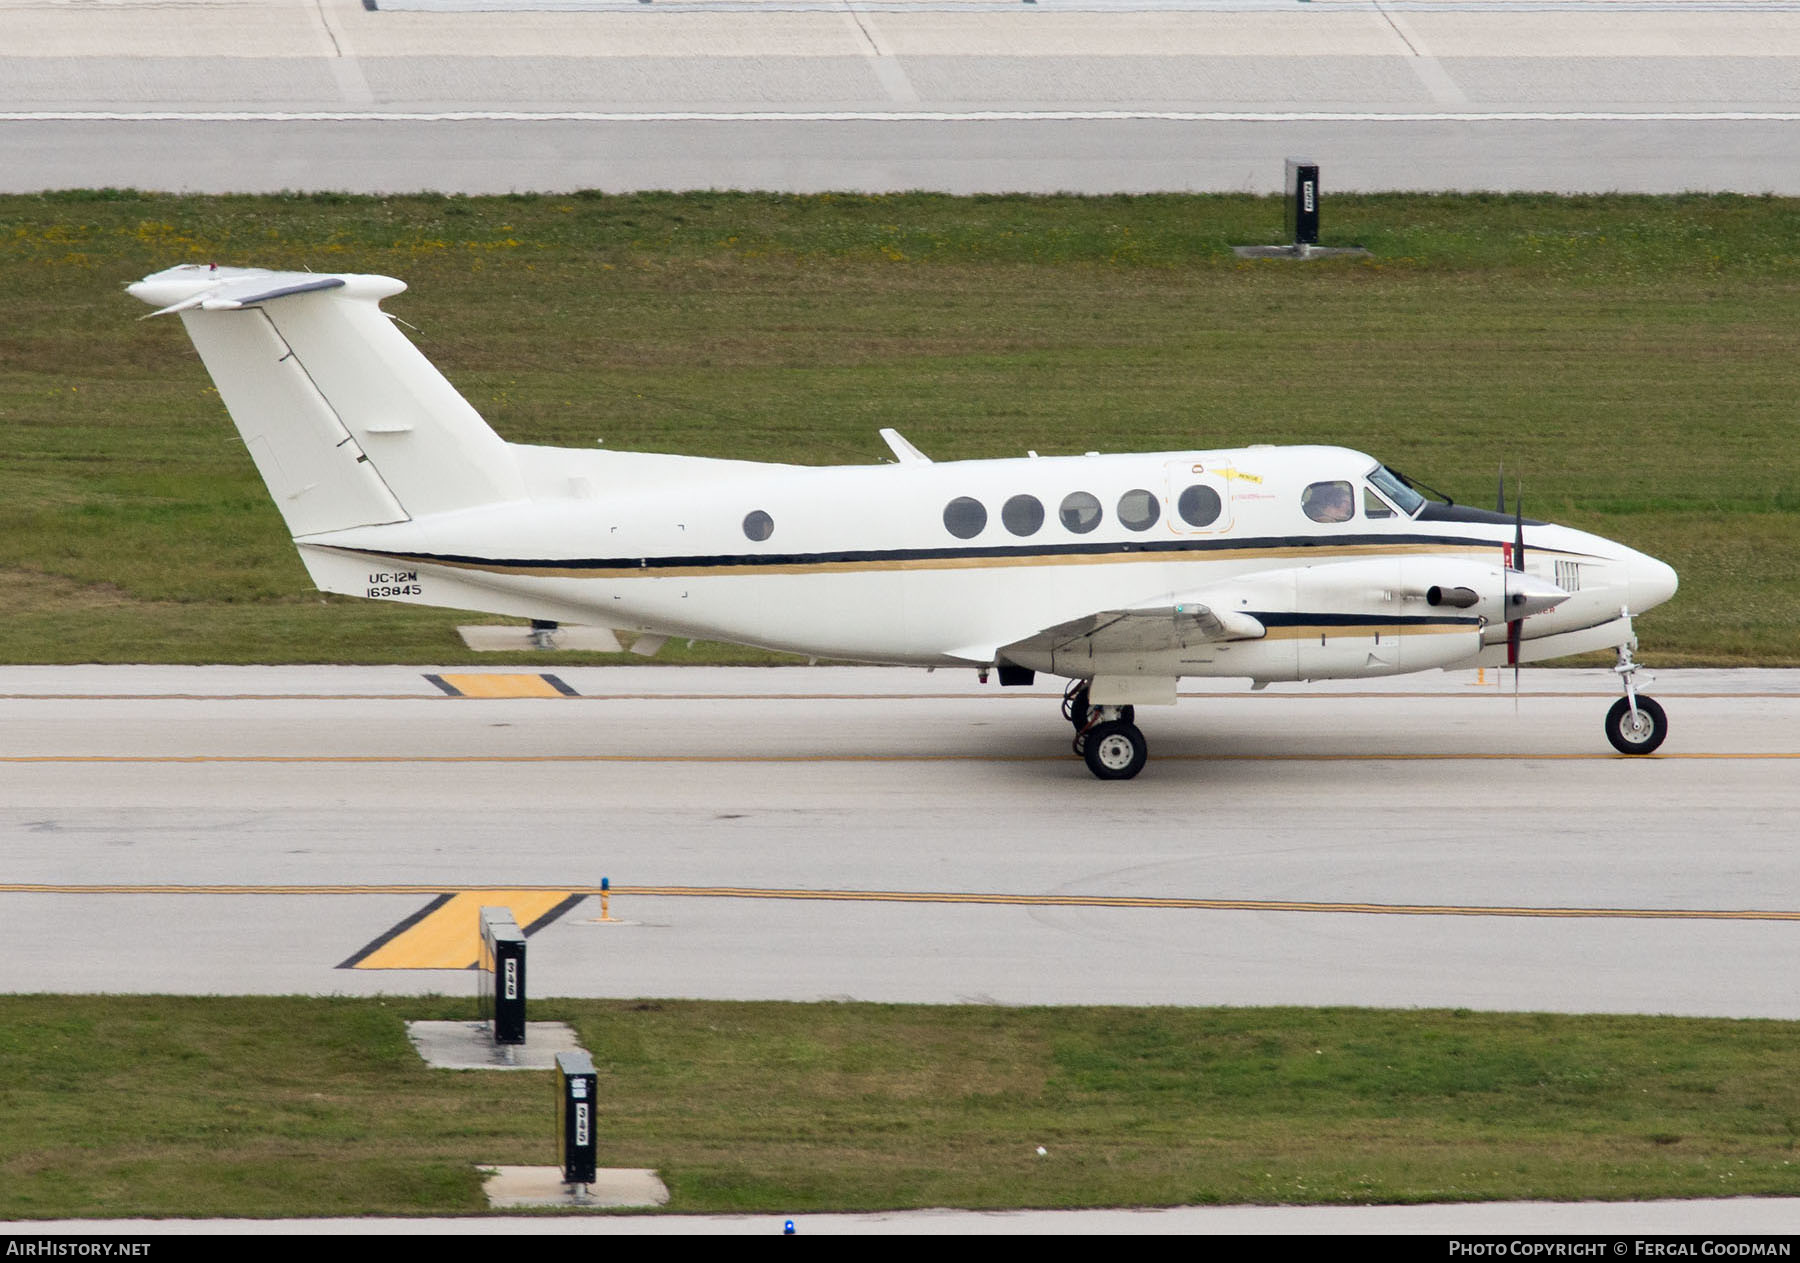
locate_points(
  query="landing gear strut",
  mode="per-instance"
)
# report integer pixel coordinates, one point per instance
(1105, 736)
(1634, 725)
(1076, 710)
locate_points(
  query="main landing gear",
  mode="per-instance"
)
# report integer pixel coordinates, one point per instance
(1105, 736)
(1634, 725)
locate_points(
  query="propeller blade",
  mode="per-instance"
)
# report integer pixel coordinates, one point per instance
(1519, 529)
(1515, 626)
(1500, 499)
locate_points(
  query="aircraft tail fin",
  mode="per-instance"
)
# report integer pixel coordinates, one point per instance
(349, 425)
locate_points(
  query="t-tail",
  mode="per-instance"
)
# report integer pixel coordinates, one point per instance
(349, 425)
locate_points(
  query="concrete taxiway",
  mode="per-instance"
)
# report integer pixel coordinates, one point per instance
(903, 836)
(1732, 1218)
(962, 96)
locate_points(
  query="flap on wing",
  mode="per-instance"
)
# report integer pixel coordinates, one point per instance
(1147, 629)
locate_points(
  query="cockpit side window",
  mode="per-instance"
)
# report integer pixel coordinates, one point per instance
(1328, 502)
(1374, 506)
(1398, 493)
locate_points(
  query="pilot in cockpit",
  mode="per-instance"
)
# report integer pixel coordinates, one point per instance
(1328, 502)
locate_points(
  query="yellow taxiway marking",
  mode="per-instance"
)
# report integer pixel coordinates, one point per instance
(447, 935)
(495, 684)
(551, 897)
(973, 757)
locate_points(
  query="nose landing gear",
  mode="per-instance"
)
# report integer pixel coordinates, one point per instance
(1634, 725)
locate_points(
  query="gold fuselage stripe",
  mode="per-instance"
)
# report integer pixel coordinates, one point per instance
(667, 568)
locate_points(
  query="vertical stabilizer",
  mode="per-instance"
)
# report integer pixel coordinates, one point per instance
(349, 425)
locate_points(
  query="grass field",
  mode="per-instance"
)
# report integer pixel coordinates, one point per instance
(126, 1106)
(1632, 359)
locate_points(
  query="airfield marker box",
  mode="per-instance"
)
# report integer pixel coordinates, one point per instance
(502, 974)
(1303, 201)
(577, 1087)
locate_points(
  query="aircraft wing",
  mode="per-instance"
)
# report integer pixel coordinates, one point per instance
(1146, 629)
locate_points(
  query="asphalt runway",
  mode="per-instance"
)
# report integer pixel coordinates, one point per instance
(902, 836)
(1090, 96)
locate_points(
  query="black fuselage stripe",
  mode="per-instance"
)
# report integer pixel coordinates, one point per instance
(1363, 620)
(903, 555)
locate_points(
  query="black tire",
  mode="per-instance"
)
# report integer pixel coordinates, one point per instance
(1652, 726)
(1115, 751)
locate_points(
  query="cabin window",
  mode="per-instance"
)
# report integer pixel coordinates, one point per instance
(1374, 505)
(1199, 506)
(1328, 502)
(1022, 515)
(758, 525)
(965, 518)
(1080, 512)
(1139, 510)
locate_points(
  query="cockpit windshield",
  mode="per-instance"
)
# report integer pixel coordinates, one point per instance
(1390, 485)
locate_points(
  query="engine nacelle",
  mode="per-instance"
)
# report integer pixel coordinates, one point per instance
(1495, 592)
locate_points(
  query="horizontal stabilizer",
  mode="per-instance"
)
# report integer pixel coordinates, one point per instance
(227, 289)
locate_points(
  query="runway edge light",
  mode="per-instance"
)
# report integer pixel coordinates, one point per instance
(605, 894)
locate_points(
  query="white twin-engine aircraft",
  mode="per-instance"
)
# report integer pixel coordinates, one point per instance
(1122, 573)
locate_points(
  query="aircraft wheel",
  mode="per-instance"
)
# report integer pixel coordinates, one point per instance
(1643, 736)
(1115, 751)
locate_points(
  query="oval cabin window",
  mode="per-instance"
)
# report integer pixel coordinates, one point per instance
(1080, 512)
(1138, 510)
(1022, 515)
(964, 518)
(1199, 506)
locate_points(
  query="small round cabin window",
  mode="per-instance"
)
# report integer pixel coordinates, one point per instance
(965, 518)
(1139, 510)
(1080, 512)
(1199, 506)
(758, 526)
(1022, 515)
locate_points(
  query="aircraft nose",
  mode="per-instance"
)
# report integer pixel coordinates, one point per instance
(1651, 582)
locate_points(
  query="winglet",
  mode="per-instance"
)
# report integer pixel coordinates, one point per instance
(903, 451)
